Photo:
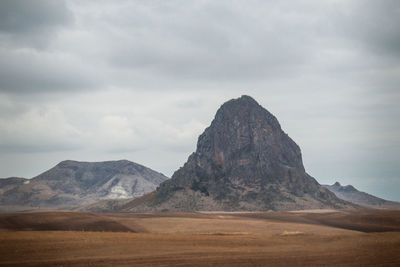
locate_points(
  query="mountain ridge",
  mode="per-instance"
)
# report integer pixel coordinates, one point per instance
(72, 183)
(351, 194)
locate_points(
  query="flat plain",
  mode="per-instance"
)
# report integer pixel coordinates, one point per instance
(329, 238)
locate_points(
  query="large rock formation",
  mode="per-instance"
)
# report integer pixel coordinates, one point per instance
(243, 161)
(351, 194)
(73, 183)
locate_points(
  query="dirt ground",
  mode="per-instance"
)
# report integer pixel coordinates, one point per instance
(201, 239)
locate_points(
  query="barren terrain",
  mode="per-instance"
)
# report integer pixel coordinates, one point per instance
(202, 239)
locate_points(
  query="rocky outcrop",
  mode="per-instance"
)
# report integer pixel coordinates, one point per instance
(243, 161)
(351, 194)
(73, 183)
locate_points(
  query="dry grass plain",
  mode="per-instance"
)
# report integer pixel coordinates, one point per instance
(361, 238)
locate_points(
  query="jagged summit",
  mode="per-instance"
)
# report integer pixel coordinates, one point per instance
(244, 124)
(347, 188)
(244, 107)
(242, 102)
(243, 161)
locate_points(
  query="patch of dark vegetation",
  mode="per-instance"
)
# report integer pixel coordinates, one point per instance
(197, 186)
(60, 221)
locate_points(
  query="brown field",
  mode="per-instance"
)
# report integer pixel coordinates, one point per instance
(201, 239)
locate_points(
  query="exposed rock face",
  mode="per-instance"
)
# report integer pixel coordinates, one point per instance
(72, 183)
(351, 194)
(243, 161)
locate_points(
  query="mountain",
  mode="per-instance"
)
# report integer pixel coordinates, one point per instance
(351, 194)
(72, 183)
(243, 162)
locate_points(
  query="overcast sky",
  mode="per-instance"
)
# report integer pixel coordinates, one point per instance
(140, 80)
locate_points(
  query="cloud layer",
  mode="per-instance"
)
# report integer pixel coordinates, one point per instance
(100, 80)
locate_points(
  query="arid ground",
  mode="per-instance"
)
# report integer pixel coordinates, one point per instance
(201, 239)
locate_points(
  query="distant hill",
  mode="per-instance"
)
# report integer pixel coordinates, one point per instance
(73, 183)
(244, 161)
(351, 194)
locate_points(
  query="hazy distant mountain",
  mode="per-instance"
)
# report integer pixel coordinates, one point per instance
(243, 161)
(72, 183)
(349, 193)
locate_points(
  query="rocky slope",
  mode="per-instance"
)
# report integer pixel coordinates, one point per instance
(243, 162)
(73, 183)
(351, 194)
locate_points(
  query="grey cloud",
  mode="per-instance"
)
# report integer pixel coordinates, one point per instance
(99, 80)
(20, 16)
(32, 23)
(27, 63)
(37, 148)
(213, 41)
(237, 41)
(28, 71)
(374, 26)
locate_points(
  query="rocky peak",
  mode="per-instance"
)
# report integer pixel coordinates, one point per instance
(244, 109)
(243, 133)
(243, 161)
(347, 188)
(337, 184)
